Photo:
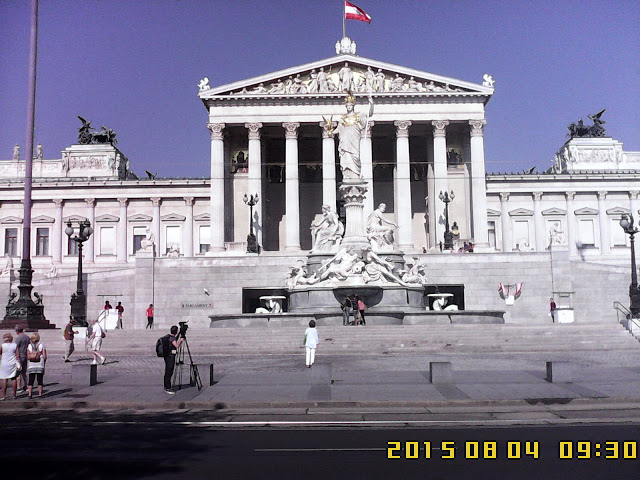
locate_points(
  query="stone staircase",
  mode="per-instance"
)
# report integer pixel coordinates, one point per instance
(469, 340)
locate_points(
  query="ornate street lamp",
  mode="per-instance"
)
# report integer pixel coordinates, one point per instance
(252, 241)
(634, 294)
(79, 299)
(448, 236)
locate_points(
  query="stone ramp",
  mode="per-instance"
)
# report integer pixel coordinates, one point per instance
(553, 339)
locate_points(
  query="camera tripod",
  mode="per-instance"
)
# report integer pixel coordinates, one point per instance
(194, 375)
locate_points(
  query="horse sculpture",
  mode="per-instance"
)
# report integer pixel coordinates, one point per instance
(581, 130)
(87, 137)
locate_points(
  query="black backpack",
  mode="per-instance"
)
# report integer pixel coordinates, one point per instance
(163, 348)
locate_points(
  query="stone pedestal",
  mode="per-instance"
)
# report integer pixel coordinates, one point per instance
(84, 374)
(353, 193)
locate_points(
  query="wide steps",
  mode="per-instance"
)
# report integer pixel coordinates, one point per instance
(376, 339)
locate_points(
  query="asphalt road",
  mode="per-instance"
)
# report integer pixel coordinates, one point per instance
(197, 444)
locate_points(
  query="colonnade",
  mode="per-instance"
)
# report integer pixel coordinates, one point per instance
(402, 187)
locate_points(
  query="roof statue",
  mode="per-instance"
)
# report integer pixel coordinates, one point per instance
(345, 45)
(487, 80)
(87, 137)
(592, 131)
(203, 84)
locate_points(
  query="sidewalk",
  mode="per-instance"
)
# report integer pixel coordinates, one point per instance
(342, 387)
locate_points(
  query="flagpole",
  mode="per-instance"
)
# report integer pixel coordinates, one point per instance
(344, 13)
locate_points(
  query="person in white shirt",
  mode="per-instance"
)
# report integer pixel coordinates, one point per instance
(311, 343)
(96, 342)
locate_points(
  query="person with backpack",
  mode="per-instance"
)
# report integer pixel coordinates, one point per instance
(167, 347)
(36, 359)
(22, 341)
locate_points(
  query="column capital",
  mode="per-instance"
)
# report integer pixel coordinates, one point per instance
(58, 202)
(570, 195)
(440, 127)
(366, 133)
(537, 196)
(254, 130)
(633, 194)
(156, 201)
(476, 127)
(216, 130)
(327, 129)
(91, 202)
(291, 129)
(504, 196)
(188, 201)
(602, 194)
(123, 201)
(402, 128)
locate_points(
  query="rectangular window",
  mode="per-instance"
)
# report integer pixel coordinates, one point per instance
(72, 248)
(139, 234)
(174, 238)
(107, 241)
(11, 242)
(618, 237)
(521, 235)
(42, 241)
(491, 228)
(586, 232)
(204, 235)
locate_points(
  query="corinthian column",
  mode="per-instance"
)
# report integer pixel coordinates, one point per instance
(89, 250)
(541, 235)
(255, 174)
(292, 186)
(478, 185)
(122, 231)
(403, 186)
(605, 244)
(188, 228)
(56, 240)
(366, 159)
(506, 223)
(155, 223)
(328, 167)
(217, 186)
(439, 173)
(571, 224)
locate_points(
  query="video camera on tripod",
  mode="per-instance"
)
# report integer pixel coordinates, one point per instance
(183, 329)
(194, 375)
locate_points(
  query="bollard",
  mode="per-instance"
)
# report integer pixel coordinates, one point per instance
(440, 372)
(558, 372)
(84, 374)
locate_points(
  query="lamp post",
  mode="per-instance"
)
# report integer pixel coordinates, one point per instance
(252, 241)
(448, 236)
(79, 299)
(634, 294)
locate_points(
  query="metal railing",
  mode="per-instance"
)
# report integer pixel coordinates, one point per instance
(630, 323)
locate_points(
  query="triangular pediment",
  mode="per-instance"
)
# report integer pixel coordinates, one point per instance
(586, 211)
(303, 80)
(493, 213)
(618, 211)
(203, 217)
(42, 219)
(107, 219)
(10, 219)
(521, 212)
(74, 218)
(553, 211)
(139, 217)
(173, 217)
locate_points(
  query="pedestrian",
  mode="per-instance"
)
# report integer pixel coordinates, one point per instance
(361, 311)
(10, 365)
(470, 247)
(97, 334)
(120, 310)
(171, 349)
(552, 310)
(69, 334)
(37, 355)
(346, 310)
(356, 313)
(310, 343)
(107, 306)
(22, 341)
(149, 317)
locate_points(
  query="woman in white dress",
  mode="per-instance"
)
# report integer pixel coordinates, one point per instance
(10, 366)
(36, 359)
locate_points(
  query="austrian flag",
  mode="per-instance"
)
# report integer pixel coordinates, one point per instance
(351, 12)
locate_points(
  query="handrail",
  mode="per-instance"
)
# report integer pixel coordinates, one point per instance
(619, 308)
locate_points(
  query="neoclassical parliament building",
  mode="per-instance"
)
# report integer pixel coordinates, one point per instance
(553, 231)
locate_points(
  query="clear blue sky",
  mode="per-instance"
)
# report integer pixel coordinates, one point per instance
(134, 65)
